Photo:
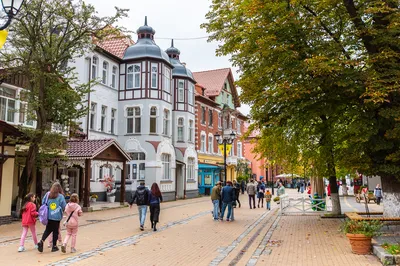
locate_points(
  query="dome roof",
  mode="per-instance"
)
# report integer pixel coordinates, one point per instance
(145, 46)
(179, 69)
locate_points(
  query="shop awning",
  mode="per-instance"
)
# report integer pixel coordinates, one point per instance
(209, 166)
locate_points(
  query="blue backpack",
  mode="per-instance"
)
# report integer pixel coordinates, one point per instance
(43, 211)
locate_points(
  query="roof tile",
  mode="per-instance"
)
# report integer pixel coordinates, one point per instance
(212, 80)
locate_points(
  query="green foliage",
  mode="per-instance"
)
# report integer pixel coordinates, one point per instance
(243, 170)
(393, 249)
(367, 228)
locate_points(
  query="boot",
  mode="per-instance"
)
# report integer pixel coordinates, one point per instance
(154, 227)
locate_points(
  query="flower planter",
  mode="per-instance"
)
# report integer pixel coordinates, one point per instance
(110, 199)
(93, 199)
(360, 244)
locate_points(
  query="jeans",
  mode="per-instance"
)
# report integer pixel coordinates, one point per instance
(268, 205)
(254, 200)
(142, 209)
(25, 232)
(216, 209)
(224, 204)
(378, 200)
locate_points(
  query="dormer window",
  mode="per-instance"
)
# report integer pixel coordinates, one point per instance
(133, 76)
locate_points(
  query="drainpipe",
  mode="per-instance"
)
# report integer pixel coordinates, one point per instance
(88, 111)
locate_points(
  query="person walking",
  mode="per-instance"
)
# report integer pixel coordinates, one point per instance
(155, 198)
(227, 197)
(29, 214)
(298, 187)
(215, 198)
(281, 190)
(251, 191)
(56, 204)
(73, 211)
(302, 187)
(141, 198)
(243, 186)
(378, 194)
(268, 197)
(260, 194)
(236, 186)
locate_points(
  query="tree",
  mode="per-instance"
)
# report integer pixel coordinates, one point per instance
(322, 77)
(243, 170)
(45, 36)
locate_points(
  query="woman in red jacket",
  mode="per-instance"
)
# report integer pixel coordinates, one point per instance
(29, 214)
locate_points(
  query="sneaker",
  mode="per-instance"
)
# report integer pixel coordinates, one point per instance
(40, 246)
(141, 228)
(36, 246)
(60, 243)
(63, 249)
(21, 249)
(54, 249)
(73, 250)
(227, 220)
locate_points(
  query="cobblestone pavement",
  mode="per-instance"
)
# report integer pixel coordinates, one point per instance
(188, 236)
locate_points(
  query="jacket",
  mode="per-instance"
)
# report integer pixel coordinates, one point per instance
(251, 189)
(268, 196)
(378, 192)
(141, 196)
(77, 211)
(154, 200)
(29, 215)
(228, 194)
(281, 191)
(56, 207)
(216, 193)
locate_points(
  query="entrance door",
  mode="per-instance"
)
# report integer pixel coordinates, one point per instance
(180, 181)
(73, 180)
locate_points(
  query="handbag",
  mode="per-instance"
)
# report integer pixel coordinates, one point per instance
(69, 217)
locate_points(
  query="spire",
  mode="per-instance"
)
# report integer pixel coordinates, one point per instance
(172, 42)
(145, 31)
(173, 52)
(145, 20)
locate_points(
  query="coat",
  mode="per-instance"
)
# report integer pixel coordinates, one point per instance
(228, 194)
(216, 193)
(77, 211)
(251, 189)
(29, 215)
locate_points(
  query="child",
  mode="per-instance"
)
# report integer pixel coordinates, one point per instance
(29, 215)
(73, 210)
(268, 198)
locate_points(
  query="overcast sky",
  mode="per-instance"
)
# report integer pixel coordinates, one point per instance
(173, 19)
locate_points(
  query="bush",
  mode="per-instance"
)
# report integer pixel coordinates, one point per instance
(367, 228)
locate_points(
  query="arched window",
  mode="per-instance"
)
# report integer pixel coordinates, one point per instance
(104, 79)
(210, 144)
(153, 119)
(180, 129)
(95, 65)
(203, 143)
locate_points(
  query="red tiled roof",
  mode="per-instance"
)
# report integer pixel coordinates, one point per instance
(212, 80)
(89, 149)
(115, 45)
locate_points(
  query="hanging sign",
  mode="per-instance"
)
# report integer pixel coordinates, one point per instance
(3, 37)
(228, 148)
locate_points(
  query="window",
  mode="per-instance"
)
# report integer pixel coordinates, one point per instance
(210, 117)
(180, 129)
(154, 76)
(133, 76)
(101, 172)
(203, 115)
(231, 152)
(181, 91)
(190, 137)
(95, 63)
(166, 163)
(105, 73)
(138, 156)
(239, 149)
(93, 107)
(103, 118)
(167, 79)
(7, 106)
(210, 144)
(223, 97)
(133, 120)
(153, 119)
(203, 143)
(166, 122)
(191, 93)
(227, 98)
(191, 171)
(114, 77)
(138, 159)
(219, 120)
(113, 112)
(238, 125)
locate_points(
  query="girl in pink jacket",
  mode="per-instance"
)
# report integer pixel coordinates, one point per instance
(73, 211)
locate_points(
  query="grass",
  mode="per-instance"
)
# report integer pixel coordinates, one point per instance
(393, 249)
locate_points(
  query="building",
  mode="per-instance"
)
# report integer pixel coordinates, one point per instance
(216, 112)
(258, 165)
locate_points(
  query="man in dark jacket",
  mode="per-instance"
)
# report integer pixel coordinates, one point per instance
(227, 197)
(141, 198)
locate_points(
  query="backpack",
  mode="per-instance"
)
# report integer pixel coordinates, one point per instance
(43, 211)
(141, 197)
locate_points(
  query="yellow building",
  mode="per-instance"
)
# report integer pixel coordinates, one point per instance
(7, 158)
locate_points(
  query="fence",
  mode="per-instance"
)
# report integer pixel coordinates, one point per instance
(302, 205)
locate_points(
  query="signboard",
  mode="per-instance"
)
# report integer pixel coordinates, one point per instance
(228, 148)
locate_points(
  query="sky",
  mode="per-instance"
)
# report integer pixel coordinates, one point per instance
(173, 19)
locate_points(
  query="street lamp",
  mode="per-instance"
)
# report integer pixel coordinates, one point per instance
(10, 9)
(225, 139)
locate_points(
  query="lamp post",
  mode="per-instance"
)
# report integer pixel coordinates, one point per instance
(224, 140)
(10, 9)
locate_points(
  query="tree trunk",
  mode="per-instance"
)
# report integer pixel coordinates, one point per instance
(336, 208)
(27, 174)
(317, 186)
(391, 196)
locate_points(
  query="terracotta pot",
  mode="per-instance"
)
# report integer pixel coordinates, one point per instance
(360, 244)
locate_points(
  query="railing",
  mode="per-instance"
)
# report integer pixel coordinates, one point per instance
(303, 205)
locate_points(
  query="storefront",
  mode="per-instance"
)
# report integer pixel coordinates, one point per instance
(209, 174)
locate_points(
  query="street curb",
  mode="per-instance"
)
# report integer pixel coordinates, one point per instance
(384, 257)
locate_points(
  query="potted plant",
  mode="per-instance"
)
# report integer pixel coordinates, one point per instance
(109, 184)
(360, 232)
(93, 197)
